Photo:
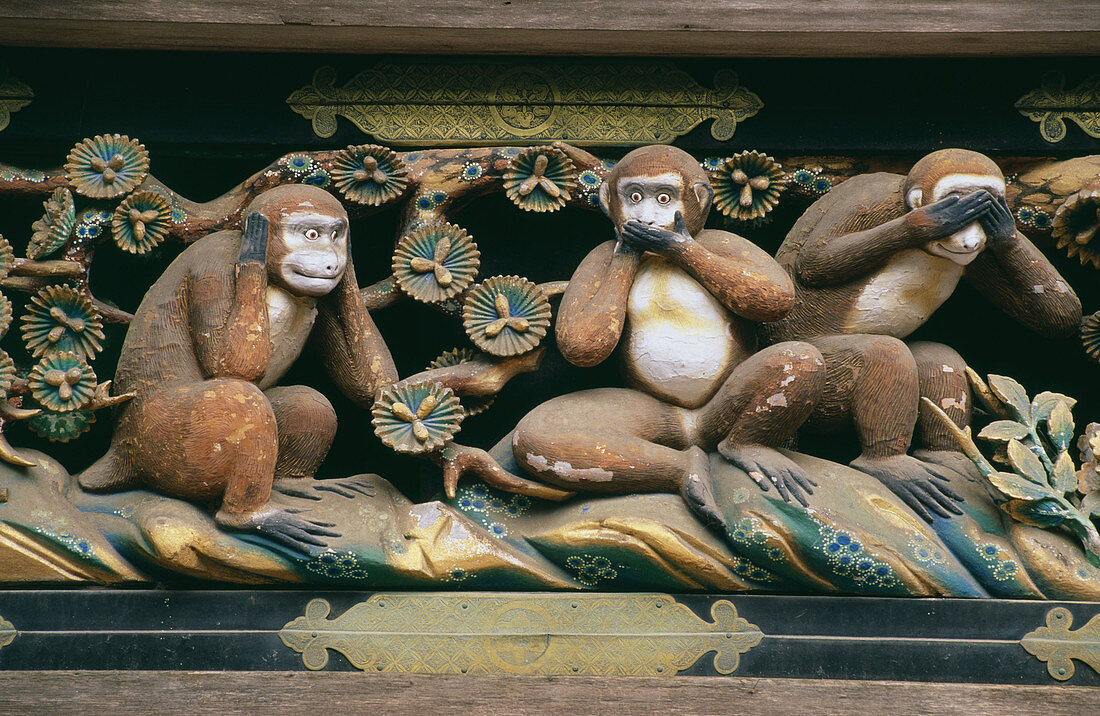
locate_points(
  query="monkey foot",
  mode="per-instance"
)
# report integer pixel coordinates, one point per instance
(953, 460)
(920, 485)
(696, 491)
(767, 466)
(281, 527)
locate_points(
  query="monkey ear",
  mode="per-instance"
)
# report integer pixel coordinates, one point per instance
(704, 192)
(914, 198)
(605, 198)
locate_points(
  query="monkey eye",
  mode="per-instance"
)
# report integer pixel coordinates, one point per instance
(334, 235)
(312, 234)
(663, 198)
(636, 197)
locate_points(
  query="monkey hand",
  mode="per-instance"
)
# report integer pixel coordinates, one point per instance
(920, 485)
(458, 460)
(281, 527)
(767, 466)
(254, 239)
(349, 487)
(998, 224)
(952, 213)
(646, 237)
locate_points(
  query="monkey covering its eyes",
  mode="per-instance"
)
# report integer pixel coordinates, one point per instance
(871, 261)
(678, 299)
(208, 344)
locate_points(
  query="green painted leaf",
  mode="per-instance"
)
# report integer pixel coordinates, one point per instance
(1004, 430)
(1060, 425)
(1044, 513)
(1044, 403)
(1013, 395)
(1017, 487)
(1025, 463)
(1064, 477)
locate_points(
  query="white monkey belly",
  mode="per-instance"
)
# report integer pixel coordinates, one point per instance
(679, 345)
(903, 294)
(289, 321)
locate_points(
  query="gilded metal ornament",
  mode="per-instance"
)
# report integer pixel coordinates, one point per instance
(7, 632)
(1052, 104)
(14, 96)
(483, 102)
(544, 634)
(1058, 645)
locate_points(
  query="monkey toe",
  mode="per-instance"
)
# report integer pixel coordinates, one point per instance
(919, 485)
(695, 489)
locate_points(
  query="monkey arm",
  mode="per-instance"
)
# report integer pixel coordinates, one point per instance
(833, 257)
(228, 312)
(742, 276)
(593, 308)
(354, 352)
(1021, 282)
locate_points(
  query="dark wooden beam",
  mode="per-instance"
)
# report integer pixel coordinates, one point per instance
(57, 692)
(711, 28)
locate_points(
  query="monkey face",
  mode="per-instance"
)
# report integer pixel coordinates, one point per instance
(964, 245)
(652, 200)
(307, 252)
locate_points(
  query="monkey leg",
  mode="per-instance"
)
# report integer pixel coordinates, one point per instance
(210, 441)
(873, 380)
(942, 375)
(761, 405)
(615, 441)
(306, 424)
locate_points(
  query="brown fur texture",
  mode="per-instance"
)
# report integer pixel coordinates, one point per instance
(651, 439)
(206, 424)
(858, 260)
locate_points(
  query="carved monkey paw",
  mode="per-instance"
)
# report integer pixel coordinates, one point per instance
(767, 466)
(920, 485)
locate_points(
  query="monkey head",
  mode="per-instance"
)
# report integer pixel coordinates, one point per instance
(651, 184)
(307, 248)
(954, 172)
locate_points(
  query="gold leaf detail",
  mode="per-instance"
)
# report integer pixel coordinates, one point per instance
(7, 632)
(551, 634)
(1058, 646)
(1051, 104)
(475, 103)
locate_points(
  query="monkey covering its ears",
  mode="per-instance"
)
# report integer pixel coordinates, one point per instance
(871, 261)
(206, 348)
(678, 301)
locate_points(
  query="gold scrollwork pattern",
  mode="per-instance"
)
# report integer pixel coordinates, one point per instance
(14, 96)
(478, 103)
(484, 633)
(1051, 104)
(1058, 646)
(7, 632)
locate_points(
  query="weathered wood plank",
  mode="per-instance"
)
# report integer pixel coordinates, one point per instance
(741, 28)
(235, 692)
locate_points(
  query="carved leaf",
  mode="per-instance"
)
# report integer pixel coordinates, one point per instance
(1044, 402)
(1060, 426)
(1091, 504)
(1013, 395)
(1015, 486)
(1043, 513)
(1025, 463)
(1003, 431)
(1064, 478)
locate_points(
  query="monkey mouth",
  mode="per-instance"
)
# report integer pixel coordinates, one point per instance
(316, 276)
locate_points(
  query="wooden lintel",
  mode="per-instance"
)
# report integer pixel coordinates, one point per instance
(699, 28)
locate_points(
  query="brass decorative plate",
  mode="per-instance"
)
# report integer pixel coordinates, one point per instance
(547, 634)
(497, 103)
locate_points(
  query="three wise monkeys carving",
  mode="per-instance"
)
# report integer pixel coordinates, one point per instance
(723, 347)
